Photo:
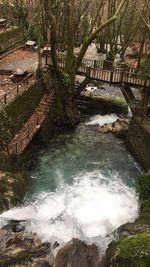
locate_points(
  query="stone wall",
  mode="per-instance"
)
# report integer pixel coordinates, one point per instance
(15, 115)
(10, 38)
(138, 141)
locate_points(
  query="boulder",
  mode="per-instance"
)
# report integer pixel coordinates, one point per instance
(119, 127)
(23, 249)
(77, 254)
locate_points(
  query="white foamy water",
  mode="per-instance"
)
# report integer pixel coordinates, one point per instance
(102, 119)
(93, 205)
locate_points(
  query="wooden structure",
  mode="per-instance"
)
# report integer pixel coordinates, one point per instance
(46, 52)
(31, 46)
(20, 75)
(3, 23)
(122, 75)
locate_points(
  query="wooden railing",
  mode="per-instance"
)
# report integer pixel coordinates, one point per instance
(21, 143)
(107, 71)
(16, 90)
(29, 129)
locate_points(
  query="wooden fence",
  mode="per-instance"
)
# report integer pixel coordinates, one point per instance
(108, 71)
(16, 90)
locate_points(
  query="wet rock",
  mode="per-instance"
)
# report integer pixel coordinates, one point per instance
(131, 229)
(119, 127)
(23, 249)
(77, 254)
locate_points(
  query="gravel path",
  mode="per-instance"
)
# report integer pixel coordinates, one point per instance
(20, 59)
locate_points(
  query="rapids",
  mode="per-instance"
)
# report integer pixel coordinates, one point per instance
(83, 185)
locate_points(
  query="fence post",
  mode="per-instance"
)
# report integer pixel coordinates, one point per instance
(17, 89)
(88, 71)
(28, 134)
(16, 146)
(5, 99)
(7, 149)
(37, 122)
(111, 77)
(46, 59)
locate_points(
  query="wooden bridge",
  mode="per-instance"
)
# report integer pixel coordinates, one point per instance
(121, 75)
(107, 71)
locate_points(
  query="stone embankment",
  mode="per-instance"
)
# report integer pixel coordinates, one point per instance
(21, 140)
(10, 38)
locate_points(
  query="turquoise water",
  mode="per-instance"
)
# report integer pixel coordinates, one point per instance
(83, 185)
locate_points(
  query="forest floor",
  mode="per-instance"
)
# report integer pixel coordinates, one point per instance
(20, 59)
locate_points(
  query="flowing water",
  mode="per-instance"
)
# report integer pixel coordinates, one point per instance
(82, 186)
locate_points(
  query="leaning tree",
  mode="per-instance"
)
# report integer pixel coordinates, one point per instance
(66, 93)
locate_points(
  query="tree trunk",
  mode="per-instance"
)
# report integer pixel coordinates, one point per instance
(65, 106)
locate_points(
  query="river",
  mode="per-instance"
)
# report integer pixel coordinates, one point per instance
(82, 185)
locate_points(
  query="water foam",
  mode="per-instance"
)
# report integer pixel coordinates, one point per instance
(93, 205)
(102, 119)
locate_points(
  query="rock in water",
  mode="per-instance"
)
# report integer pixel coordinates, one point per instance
(20, 249)
(77, 254)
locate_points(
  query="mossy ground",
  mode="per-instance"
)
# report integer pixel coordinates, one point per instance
(130, 252)
(105, 105)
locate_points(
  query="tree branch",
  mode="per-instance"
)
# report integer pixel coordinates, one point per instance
(93, 35)
(70, 36)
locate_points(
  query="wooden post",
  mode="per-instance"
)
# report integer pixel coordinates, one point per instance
(7, 149)
(88, 72)
(5, 99)
(46, 60)
(17, 89)
(28, 134)
(111, 77)
(37, 122)
(16, 145)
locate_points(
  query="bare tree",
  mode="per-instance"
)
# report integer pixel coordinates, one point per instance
(66, 93)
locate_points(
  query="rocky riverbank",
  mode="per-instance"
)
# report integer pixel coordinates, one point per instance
(12, 189)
